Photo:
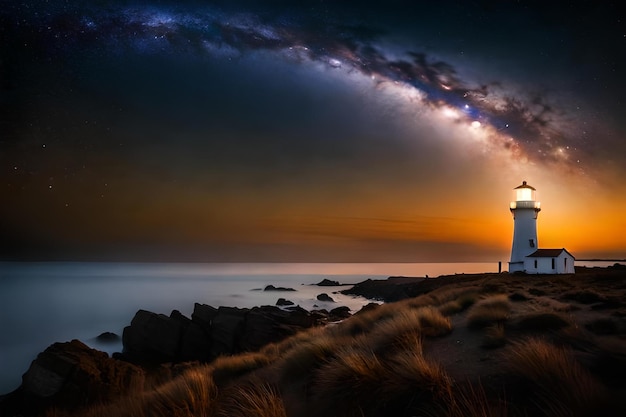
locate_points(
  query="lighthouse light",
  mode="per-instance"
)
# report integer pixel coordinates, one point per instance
(524, 194)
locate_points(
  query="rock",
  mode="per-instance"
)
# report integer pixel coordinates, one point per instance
(155, 338)
(195, 344)
(328, 283)
(70, 375)
(180, 318)
(325, 297)
(108, 337)
(152, 337)
(340, 313)
(283, 302)
(203, 315)
(298, 317)
(273, 288)
(368, 307)
(267, 324)
(226, 330)
(393, 288)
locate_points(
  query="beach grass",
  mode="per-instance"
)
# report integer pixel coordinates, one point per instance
(464, 350)
(489, 310)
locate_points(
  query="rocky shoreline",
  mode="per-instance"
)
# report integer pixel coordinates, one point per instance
(72, 375)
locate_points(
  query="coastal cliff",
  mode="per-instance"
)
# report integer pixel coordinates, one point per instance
(468, 344)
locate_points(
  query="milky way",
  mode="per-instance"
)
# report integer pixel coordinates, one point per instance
(527, 125)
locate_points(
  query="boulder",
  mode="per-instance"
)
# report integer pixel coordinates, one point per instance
(108, 337)
(299, 317)
(195, 344)
(227, 330)
(340, 313)
(273, 288)
(70, 375)
(152, 337)
(284, 302)
(265, 325)
(203, 314)
(325, 297)
(328, 283)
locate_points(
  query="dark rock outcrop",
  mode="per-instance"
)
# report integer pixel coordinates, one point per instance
(273, 288)
(284, 302)
(227, 330)
(325, 297)
(340, 313)
(108, 337)
(391, 289)
(328, 283)
(153, 337)
(70, 375)
(156, 338)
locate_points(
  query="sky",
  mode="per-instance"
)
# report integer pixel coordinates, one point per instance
(309, 131)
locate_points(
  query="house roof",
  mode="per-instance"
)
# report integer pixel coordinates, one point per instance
(548, 253)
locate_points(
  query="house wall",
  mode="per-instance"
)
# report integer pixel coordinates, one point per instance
(563, 264)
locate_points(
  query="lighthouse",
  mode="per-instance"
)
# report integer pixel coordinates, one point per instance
(525, 211)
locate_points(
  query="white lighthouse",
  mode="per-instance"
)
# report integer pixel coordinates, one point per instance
(525, 210)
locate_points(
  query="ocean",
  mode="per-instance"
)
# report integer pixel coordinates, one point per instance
(43, 303)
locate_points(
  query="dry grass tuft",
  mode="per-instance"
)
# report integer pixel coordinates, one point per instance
(432, 322)
(494, 337)
(360, 383)
(409, 370)
(298, 363)
(258, 400)
(394, 333)
(462, 303)
(490, 310)
(563, 387)
(364, 322)
(348, 385)
(227, 368)
(192, 394)
(472, 401)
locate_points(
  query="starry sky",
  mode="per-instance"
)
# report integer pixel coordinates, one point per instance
(341, 131)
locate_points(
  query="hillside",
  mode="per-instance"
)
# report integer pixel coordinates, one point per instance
(463, 345)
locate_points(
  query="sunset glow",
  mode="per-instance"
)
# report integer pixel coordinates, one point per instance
(187, 132)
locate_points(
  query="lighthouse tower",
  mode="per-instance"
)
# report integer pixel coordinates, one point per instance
(525, 210)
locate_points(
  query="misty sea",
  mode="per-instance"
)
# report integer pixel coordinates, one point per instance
(47, 302)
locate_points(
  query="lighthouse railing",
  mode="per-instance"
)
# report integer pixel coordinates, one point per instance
(525, 204)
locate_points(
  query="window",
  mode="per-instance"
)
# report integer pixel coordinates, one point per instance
(565, 262)
(535, 264)
(552, 263)
(531, 242)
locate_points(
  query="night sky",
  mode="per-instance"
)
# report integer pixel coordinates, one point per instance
(308, 130)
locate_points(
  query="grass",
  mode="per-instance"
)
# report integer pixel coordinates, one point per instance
(403, 359)
(226, 368)
(358, 382)
(432, 322)
(191, 394)
(561, 386)
(299, 362)
(258, 400)
(489, 310)
(494, 336)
